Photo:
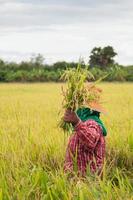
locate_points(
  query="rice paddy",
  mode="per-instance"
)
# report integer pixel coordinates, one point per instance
(32, 147)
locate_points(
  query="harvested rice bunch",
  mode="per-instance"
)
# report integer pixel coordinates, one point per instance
(78, 92)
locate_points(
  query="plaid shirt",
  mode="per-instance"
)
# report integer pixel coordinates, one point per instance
(86, 148)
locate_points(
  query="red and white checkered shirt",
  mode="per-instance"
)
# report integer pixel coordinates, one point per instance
(86, 148)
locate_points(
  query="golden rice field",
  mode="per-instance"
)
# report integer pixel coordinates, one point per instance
(32, 147)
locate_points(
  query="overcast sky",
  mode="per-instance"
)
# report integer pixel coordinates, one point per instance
(65, 29)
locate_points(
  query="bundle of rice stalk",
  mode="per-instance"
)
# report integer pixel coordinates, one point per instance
(78, 92)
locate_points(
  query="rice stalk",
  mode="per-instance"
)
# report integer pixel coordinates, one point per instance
(78, 93)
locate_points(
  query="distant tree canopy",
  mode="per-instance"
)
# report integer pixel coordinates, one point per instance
(37, 60)
(35, 70)
(102, 57)
(1, 62)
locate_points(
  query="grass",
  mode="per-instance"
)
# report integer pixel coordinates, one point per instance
(32, 147)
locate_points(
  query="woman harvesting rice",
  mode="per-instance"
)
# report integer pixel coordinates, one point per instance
(86, 147)
(87, 144)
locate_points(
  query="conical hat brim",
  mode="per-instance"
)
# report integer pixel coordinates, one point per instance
(98, 107)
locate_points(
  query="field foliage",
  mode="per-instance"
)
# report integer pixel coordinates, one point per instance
(32, 147)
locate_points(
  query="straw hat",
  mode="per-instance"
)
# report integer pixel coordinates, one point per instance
(97, 106)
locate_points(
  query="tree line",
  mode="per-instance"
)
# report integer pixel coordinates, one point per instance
(101, 62)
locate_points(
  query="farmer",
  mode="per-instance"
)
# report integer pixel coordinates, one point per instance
(86, 145)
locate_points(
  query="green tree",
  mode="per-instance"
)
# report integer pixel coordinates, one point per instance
(117, 73)
(37, 60)
(102, 57)
(2, 63)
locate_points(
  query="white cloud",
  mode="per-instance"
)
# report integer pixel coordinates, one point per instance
(65, 29)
